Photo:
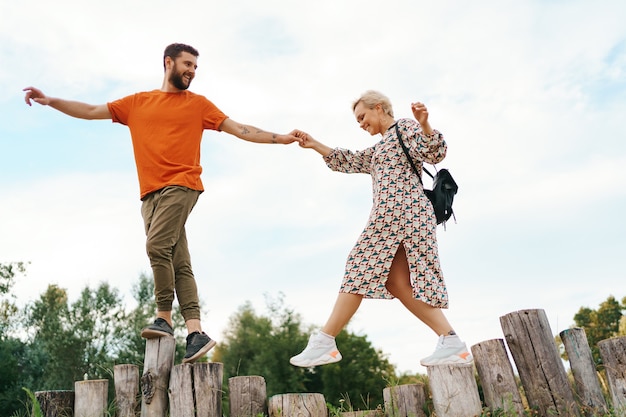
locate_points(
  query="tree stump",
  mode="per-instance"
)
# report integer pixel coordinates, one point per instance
(454, 390)
(584, 371)
(56, 403)
(404, 400)
(300, 405)
(532, 345)
(91, 398)
(613, 353)
(181, 391)
(497, 378)
(126, 379)
(247, 396)
(155, 380)
(196, 390)
(207, 383)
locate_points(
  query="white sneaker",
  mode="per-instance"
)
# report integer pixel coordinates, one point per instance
(449, 350)
(320, 350)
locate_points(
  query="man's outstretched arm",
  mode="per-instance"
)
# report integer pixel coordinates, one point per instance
(71, 108)
(254, 134)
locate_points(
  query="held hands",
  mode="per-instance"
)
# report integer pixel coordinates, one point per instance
(35, 95)
(286, 139)
(305, 140)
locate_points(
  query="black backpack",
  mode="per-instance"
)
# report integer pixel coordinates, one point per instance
(444, 187)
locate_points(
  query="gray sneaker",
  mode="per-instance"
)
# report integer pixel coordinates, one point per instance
(198, 344)
(159, 328)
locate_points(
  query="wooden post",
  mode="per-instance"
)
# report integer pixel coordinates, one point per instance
(584, 371)
(301, 405)
(126, 379)
(497, 378)
(541, 370)
(156, 376)
(404, 401)
(56, 403)
(454, 390)
(196, 390)
(613, 354)
(247, 396)
(207, 383)
(181, 391)
(91, 398)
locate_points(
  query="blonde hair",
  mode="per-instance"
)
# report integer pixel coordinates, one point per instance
(371, 98)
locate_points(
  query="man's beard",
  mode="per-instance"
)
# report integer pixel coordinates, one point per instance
(178, 82)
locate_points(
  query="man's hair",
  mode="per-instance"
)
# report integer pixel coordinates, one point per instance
(176, 49)
(371, 98)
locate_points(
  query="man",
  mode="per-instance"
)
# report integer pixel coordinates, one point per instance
(166, 127)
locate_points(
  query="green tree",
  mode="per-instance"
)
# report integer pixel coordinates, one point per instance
(262, 345)
(360, 376)
(8, 309)
(18, 365)
(53, 335)
(96, 318)
(601, 324)
(131, 345)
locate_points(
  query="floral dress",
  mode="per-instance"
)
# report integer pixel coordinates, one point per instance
(401, 214)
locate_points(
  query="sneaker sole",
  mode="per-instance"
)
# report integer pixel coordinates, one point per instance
(324, 360)
(201, 352)
(154, 334)
(456, 359)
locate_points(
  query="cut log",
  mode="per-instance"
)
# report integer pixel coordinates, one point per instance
(583, 368)
(126, 378)
(300, 405)
(613, 353)
(541, 370)
(247, 396)
(497, 377)
(196, 390)
(56, 403)
(91, 398)
(454, 390)
(181, 391)
(158, 363)
(207, 383)
(404, 400)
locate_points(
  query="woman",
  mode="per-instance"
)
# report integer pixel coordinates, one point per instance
(396, 255)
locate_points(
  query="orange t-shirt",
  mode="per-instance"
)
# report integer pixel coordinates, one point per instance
(166, 129)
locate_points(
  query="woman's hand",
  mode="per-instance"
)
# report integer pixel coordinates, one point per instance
(420, 112)
(307, 141)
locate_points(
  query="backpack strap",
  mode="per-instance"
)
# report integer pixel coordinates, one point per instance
(406, 152)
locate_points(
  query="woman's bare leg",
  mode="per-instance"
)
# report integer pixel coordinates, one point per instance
(345, 307)
(399, 285)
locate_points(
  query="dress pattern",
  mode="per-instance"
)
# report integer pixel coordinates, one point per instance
(401, 214)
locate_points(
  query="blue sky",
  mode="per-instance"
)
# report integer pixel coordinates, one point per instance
(529, 95)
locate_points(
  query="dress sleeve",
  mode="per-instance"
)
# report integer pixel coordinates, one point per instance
(349, 162)
(431, 149)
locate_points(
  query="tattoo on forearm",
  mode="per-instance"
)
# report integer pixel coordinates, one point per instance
(274, 138)
(244, 130)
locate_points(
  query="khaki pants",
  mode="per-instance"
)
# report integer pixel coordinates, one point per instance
(165, 213)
